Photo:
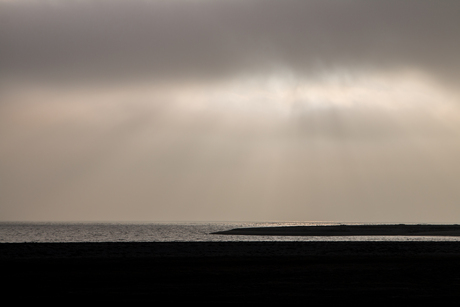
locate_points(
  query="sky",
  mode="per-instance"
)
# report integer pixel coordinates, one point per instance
(230, 110)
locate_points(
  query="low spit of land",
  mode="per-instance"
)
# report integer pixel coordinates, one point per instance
(349, 230)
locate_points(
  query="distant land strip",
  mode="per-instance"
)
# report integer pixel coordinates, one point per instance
(349, 230)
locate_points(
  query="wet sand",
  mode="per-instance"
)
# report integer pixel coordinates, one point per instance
(232, 272)
(349, 230)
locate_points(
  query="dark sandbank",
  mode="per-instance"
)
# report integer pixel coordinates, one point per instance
(349, 230)
(232, 272)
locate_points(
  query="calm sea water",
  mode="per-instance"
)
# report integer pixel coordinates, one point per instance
(165, 232)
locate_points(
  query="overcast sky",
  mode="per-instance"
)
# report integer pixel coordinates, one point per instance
(230, 110)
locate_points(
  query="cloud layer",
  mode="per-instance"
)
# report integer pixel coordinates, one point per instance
(229, 110)
(223, 39)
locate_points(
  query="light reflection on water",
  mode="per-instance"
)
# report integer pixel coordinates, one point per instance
(11, 232)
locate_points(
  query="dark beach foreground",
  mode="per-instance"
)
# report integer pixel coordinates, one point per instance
(232, 272)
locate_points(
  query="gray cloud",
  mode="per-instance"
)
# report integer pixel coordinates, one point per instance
(222, 39)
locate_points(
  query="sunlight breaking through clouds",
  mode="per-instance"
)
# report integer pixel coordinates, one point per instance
(229, 110)
(284, 93)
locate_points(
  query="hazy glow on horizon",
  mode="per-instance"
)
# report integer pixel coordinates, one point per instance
(225, 110)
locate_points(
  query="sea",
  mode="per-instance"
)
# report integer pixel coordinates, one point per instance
(17, 232)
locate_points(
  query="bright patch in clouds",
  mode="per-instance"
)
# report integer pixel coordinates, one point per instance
(283, 94)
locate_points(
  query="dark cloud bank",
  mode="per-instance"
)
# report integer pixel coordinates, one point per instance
(220, 39)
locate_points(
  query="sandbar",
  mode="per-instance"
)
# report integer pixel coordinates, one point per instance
(349, 230)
